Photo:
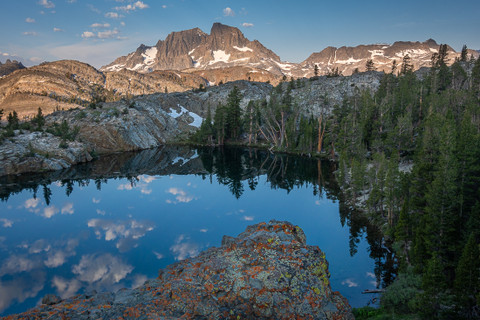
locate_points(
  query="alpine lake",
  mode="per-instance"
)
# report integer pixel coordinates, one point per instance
(116, 221)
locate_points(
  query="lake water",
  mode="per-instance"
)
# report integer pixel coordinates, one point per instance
(114, 222)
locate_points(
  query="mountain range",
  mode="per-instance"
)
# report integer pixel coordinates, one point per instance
(194, 51)
(187, 60)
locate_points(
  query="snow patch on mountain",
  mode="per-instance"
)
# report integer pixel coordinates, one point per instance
(243, 49)
(197, 120)
(219, 56)
(150, 55)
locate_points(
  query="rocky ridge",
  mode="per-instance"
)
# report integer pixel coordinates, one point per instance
(9, 66)
(67, 84)
(226, 47)
(266, 272)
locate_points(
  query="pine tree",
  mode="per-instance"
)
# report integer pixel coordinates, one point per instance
(315, 70)
(39, 119)
(13, 122)
(220, 123)
(369, 66)
(406, 65)
(234, 114)
(464, 53)
(467, 276)
(394, 66)
(1, 114)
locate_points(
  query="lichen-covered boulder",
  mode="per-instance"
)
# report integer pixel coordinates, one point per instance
(268, 271)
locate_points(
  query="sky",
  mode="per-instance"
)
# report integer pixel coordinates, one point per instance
(97, 32)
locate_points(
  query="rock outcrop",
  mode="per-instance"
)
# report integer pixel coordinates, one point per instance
(39, 151)
(267, 272)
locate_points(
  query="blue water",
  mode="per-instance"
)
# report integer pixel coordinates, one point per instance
(120, 234)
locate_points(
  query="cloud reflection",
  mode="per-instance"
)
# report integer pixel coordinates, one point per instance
(66, 288)
(18, 263)
(125, 231)
(181, 196)
(101, 271)
(350, 283)
(6, 223)
(183, 248)
(19, 289)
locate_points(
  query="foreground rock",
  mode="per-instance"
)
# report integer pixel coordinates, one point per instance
(39, 151)
(268, 271)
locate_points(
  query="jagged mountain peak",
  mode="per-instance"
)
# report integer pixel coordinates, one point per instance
(225, 46)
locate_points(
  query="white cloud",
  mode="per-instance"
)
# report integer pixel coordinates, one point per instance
(57, 258)
(88, 34)
(101, 212)
(66, 288)
(164, 6)
(94, 200)
(204, 230)
(158, 255)
(47, 4)
(67, 208)
(138, 281)
(6, 223)
(247, 24)
(248, 218)
(132, 7)
(127, 232)
(350, 283)
(19, 289)
(122, 24)
(31, 203)
(183, 249)
(57, 30)
(49, 212)
(180, 196)
(18, 263)
(228, 12)
(30, 20)
(113, 15)
(108, 34)
(39, 246)
(100, 25)
(30, 33)
(125, 186)
(102, 271)
(35, 59)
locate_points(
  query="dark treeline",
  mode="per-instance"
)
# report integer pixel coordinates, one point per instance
(409, 156)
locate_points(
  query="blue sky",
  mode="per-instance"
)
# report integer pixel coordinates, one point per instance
(98, 31)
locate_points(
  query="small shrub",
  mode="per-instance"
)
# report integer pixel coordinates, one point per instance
(125, 111)
(63, 144)
(81, 115)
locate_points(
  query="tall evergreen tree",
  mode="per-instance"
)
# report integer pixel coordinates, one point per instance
(234, 114)
(467, 277)
(464, 53)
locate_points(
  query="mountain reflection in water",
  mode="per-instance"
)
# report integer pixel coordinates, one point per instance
(114, 222)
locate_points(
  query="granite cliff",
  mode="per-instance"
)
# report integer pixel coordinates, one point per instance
(266, 272)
